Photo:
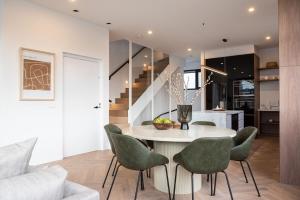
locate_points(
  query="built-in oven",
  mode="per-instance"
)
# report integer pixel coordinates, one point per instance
(243, 99)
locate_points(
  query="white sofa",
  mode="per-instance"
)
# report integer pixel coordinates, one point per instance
(74, 191)
(19, 181)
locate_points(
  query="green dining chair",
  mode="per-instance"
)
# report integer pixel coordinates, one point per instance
(109, 129)
(206, 123)
(144, 123)
(241, 150)
(133, 155)
(205, 156)
(149, 143)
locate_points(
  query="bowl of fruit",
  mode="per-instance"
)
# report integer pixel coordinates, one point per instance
(162, 123)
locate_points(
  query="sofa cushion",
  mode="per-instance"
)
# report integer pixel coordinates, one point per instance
(14, 159)
(44, 184)
(74, 191)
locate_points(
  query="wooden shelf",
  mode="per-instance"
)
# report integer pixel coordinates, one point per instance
(266, 68)
(269, 123)
(271, 79)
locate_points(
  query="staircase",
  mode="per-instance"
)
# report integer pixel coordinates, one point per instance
(118, 111)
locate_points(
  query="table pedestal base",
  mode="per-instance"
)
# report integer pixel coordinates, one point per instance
(183, 182)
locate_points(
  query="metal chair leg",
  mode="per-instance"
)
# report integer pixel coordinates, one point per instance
(215, 186)
(211, 185)
(175, 181)
(169, 192)
(228, 184)
(258, 193)
(192, 178)
(137, 185)
(142, 180)
(113, 182)
(111, 162)
(244, 172)
(207, 179)
(113, 173)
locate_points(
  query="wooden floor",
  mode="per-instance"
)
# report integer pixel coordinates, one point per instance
(89, 170)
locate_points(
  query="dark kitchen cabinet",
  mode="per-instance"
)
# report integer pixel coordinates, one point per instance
(239, 89)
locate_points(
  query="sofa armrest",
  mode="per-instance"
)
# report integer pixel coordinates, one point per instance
(74, 191)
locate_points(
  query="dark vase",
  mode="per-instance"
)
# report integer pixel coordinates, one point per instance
(184, 115)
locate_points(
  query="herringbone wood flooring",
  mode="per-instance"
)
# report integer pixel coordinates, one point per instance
(89, 170)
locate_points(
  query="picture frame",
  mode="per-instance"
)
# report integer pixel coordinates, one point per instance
(37, 75)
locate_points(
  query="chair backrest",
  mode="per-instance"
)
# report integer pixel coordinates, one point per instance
(110, 129)
(207, 155)
(130, 153)
(245, 135)
(207, 123)
(243, 141)
(144, 123)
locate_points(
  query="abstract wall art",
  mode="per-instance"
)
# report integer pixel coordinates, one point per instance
(37, 75)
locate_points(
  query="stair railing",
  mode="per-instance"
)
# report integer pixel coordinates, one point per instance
(125, 63)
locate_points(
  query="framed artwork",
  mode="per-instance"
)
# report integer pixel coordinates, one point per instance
(37, 75)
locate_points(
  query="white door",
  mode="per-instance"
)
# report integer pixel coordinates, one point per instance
(81, 96)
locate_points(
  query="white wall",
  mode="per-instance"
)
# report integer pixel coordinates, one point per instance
(269, 90)
(31, 26)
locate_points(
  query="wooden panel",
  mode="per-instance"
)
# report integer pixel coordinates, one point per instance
(289, 32)
(257, 89)
(290, 125)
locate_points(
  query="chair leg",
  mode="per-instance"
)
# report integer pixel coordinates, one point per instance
(228, 184)
(137, 185)
(207, 179)
(211, 185)
(192, 178)
(215, 186)
(175, 181)
(169, 192)
(111, 162)
(258, 193)
(244, 171)
(113, 182)
(142, 180)
(113, 173)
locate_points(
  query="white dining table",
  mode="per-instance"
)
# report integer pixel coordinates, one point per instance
(170, 142)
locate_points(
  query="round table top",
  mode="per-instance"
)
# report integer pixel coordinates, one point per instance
(177, 135)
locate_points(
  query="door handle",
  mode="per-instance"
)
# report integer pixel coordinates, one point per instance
(98, 106)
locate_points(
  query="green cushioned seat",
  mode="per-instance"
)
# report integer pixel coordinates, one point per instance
(206, 123)
(242, 143)
(205, 156)
(109, 129)
(133, 155)
(144, 123)
(242, 146)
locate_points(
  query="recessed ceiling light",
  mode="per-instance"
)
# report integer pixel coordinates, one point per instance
(268, 38)
(150, 32)
(76, 11)
(72, 0)
(251, 9)
(189, 49)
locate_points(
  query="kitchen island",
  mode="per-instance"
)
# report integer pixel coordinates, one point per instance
(233, 119)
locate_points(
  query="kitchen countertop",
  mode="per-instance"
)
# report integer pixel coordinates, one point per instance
(228, 112)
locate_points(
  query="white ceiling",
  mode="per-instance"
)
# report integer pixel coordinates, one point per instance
(177, 24)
